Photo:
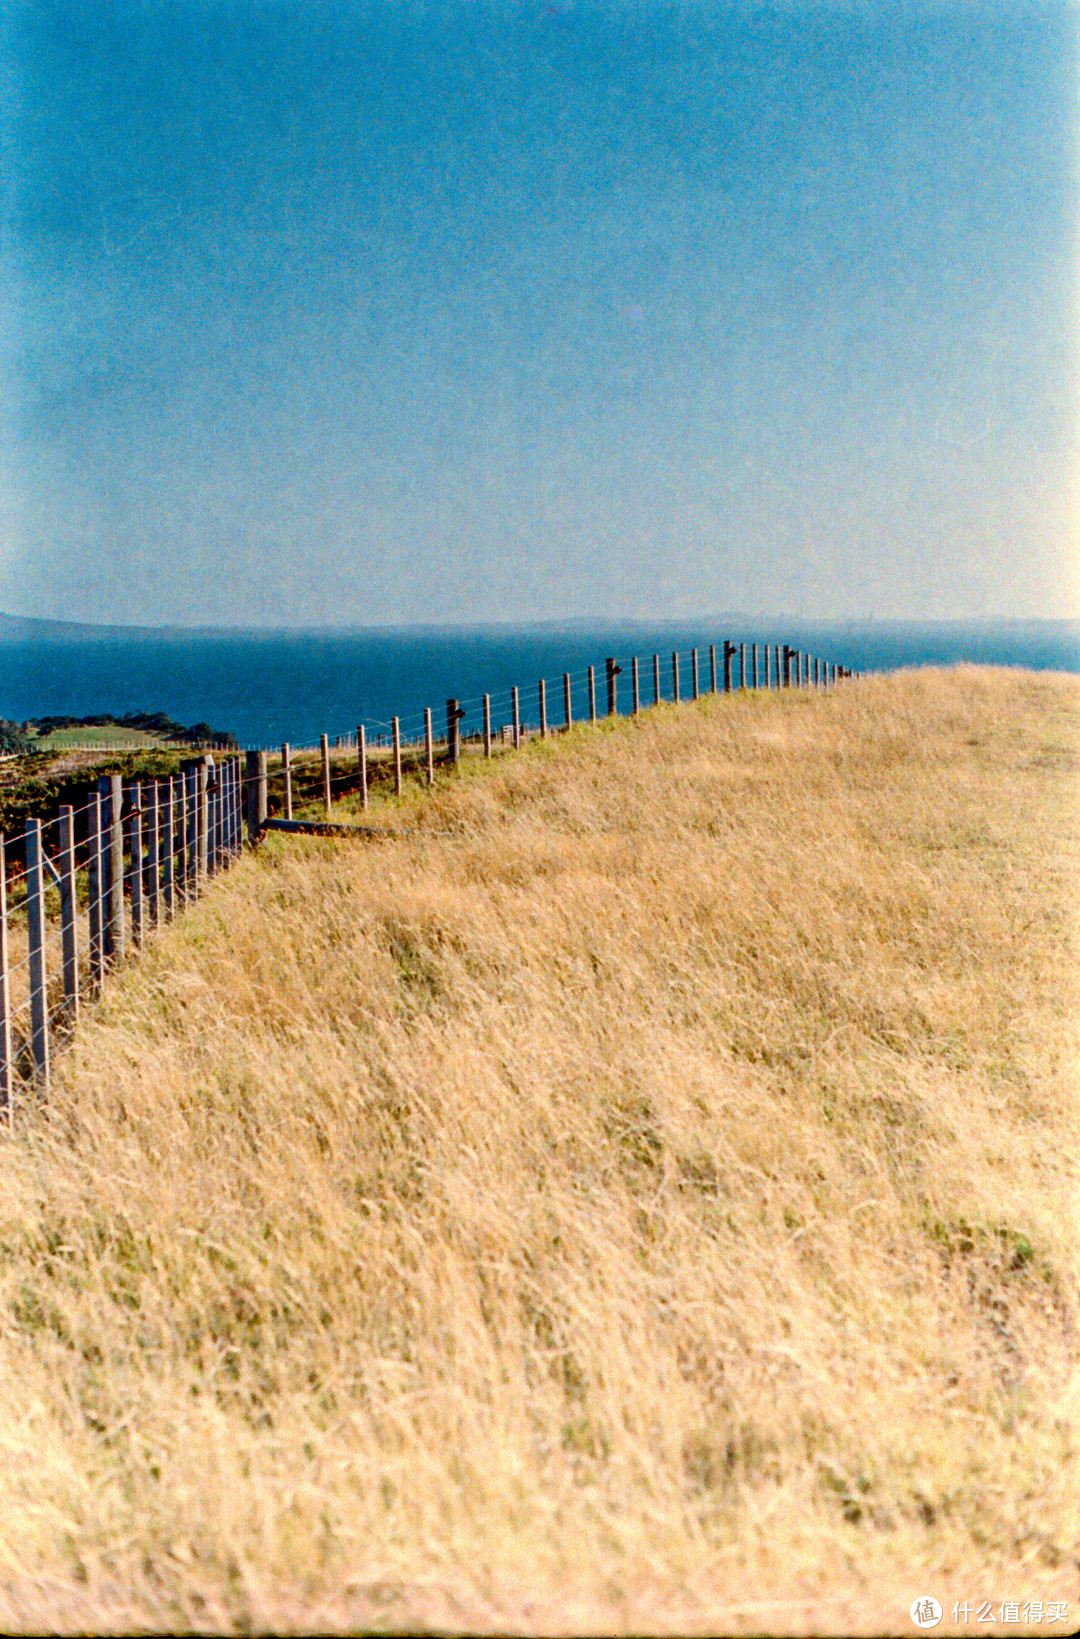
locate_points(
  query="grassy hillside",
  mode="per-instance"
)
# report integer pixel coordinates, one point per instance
(641, 1198)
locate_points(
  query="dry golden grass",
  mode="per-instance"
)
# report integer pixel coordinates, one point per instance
(651, 1207)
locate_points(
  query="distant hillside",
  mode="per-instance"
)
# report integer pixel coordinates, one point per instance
(24, 629)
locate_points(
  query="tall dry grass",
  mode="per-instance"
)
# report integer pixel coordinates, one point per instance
(644, 1198)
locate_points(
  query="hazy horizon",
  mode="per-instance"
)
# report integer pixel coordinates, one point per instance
(397, 314)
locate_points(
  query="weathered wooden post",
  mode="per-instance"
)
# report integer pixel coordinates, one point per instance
(69, 911)
(675, 676)
(135, 867)
(191, 828)
(592, 694)
(95, 885)
(542, 703)
(429, 748)
(202, 832)
(168, 860)
(742, 665)
(693, 674)
(612, 686)
(636, 686)
(35, 927)
(487, 725)
(254, 819)
(515, 710)
(154, 863)
(324, 748)
(112, 790)
(395, 729)
(753, 662)
(453, 730)
(361, 761)
(286, 778)
(729, 650)
(712, 668)
(656, 679)
(567, 706)
(7, 1089)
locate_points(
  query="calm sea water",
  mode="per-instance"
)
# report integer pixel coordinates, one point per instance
(265, 687)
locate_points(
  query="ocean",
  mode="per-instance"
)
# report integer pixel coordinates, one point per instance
(268, 686)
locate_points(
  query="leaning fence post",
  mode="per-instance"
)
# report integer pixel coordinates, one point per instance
(395, 727)
(35, 924)
(592, 694)
(487, 725)
(7, 1091)
(286, 775)
(69, 910)
(324, 747)
(636, 684)
(675, 676)
(656, 679)
(515, 707)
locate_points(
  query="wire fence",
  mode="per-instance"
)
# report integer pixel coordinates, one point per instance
(82, 890)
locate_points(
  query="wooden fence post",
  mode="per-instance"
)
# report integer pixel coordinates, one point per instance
(612, 672)
(429, 747)
(168, 850)
(487, 725)
(656, 679)
(191, 828)
(324, 747)
(693, 673)
(256, 793)
(69, 911)
(7, 1090)
(135, 868)
(95, 886)
(453, 730)
(286, 777)
(154, 834)
(202, 823)
(567, 706)
(675, 676)
(35, 927)
(742, 665)
(542, 703)
(515, 707)
(112, 789)
(592, 694)
(636, 686)
(712, 668)
(395, 729)
(729, 650)
(361, 759)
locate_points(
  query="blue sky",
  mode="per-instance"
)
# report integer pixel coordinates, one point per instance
(368, 313)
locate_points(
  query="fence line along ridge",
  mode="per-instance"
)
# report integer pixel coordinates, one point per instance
(78, 892)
